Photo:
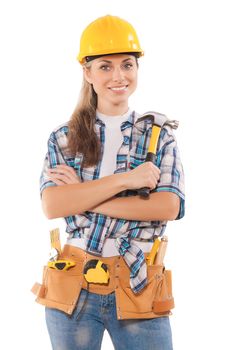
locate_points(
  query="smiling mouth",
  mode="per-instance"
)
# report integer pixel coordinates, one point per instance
(118, 88)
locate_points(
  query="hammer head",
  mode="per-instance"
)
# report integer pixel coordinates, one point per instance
(158, 119)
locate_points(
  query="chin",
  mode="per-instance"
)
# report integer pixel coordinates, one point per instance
(119, 102)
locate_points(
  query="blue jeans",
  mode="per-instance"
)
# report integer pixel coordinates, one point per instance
(84, 329)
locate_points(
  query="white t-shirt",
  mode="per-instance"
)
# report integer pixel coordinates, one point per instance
(113, 141)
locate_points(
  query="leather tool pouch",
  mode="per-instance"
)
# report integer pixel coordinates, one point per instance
(59, 289)
(164, 301)
(154, 301)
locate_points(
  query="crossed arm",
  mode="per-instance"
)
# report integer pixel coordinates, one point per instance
(159, 206)
(71, 197)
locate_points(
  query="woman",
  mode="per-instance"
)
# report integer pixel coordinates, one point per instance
(94, 166)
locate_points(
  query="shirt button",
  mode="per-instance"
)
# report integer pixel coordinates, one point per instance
(126, 140)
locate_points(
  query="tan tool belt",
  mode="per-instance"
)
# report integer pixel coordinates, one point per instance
(61, 289)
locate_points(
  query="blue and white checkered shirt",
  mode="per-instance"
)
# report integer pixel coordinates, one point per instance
(94, 228)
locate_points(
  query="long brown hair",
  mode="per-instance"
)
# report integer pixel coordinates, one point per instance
(81, 135)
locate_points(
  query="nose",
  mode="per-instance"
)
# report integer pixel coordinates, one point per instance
(117, 75)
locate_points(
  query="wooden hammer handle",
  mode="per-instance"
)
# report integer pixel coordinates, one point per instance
(161, 251)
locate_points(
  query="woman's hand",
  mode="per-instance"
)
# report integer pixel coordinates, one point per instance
(63, 175)
(144, 175)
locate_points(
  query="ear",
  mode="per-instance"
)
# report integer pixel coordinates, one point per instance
(87, 75)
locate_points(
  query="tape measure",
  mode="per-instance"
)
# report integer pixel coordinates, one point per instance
(62, 265)
(95, 271)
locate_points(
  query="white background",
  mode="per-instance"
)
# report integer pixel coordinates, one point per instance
(191, 72)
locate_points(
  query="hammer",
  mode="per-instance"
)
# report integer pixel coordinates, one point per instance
(158, 120)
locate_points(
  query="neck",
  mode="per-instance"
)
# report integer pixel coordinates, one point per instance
(118, 109)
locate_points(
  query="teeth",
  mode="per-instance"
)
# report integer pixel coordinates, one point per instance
(118, 88)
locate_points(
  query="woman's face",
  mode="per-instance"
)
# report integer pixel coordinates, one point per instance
(114, 79)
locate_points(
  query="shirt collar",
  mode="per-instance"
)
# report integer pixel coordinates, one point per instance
(132, 120)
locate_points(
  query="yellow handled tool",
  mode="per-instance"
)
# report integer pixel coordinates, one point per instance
(62, 265)
(151, 155)
(158, 251)
(153, 141)
(151, 256)
(158, 120)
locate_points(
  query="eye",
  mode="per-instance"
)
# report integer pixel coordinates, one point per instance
(105, 67)
(128, 66)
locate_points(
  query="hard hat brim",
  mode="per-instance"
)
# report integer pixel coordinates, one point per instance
(91, 58)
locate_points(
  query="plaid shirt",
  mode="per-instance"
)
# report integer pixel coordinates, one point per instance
(94, 228)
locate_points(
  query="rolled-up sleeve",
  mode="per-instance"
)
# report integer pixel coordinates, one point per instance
(172, 174)
(52, 158)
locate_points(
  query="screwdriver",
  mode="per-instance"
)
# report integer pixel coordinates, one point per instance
(151, 256)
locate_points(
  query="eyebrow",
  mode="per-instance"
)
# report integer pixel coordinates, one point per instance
(107, 61)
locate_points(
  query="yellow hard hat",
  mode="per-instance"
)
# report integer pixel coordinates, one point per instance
(108, 35)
